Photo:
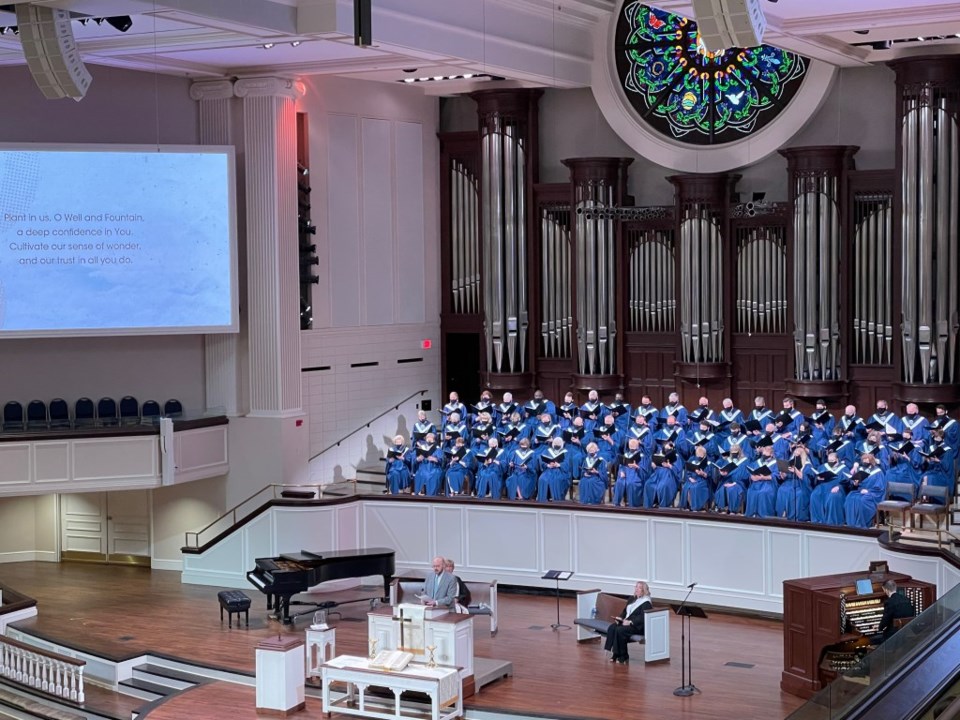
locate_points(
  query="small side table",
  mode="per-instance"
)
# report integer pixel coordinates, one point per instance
(321, 648)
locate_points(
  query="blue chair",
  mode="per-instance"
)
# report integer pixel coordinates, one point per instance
(172, 408)
(150, 412)
(59, 413)
(37, 415)
(129, 410)
(12, 416)
(107, 412)
(84, 413)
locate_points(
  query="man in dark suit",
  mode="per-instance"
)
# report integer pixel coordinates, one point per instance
(895, 607)
(629, 622)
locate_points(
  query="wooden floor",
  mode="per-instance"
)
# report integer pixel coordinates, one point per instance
(122, 612)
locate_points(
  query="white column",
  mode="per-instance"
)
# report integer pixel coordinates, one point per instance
(273, 307)
(221, 352)
(270, 443)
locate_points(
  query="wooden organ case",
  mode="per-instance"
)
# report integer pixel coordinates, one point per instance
(826, 611)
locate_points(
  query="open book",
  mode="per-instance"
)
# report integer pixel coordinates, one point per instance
(395, 660)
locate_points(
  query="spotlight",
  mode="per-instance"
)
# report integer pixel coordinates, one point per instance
(295, 43)
(861, 32)
(410, 70)
(267, 46)
(921, 38)
(120, 22)
(84, 21)
(98, 21)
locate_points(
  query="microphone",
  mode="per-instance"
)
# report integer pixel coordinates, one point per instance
(691, 586)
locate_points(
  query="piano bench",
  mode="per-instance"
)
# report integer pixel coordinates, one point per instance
(234, 601)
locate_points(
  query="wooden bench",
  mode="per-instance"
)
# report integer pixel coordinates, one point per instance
(596, 610)
(234, 601)
(483, 596)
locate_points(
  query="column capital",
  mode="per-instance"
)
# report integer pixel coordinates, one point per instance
(211, 89)
(268, 87)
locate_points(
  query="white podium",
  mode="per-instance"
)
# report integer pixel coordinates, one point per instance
(280, 675)
(321, 648)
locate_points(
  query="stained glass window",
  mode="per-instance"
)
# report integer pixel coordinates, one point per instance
(691, 94)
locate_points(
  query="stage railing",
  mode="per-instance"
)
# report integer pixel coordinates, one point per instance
(56, 675)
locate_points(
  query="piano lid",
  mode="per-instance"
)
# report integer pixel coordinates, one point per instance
(308, 557)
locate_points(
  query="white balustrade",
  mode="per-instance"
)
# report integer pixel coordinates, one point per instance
(56, 675)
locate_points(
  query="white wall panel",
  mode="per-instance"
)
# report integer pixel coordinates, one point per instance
(406, 528)
(666, 565)
(504, 539)
(116, 457)
(609, 548)
(448, 534)
(343, 222)
(557, 548)
(51, 461)
(305, 529)
(785, 560)
(377, 221)
(411, 286)
(348, 526)
(735, 559)
(15, 465)
(832, 553)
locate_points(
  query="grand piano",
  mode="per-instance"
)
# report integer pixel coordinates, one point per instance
(281, 578)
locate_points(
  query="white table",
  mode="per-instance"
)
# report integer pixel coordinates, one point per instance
(441, 684)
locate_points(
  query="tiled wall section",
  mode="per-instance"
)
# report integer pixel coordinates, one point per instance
(343, 397)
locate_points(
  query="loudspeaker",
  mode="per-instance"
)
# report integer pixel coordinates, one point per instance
(51, 52)
(729, 23)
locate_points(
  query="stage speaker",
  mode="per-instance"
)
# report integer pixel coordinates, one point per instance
(729, 23)
(51, 52)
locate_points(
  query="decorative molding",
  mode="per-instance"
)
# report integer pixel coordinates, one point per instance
(269, 87)
(211, 90)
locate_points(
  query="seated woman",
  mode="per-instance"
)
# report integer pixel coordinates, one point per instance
(661, 487)
(554, 481)
(489, 472)
(628, 489)
(629, 622)
(593, 476)
(459, 475)
(522, 477)
(733, 478)
(793, 495)
(762, 493)
(428, 475)
(696, 491)
(828, 496)
(398, 460)
(867, 487)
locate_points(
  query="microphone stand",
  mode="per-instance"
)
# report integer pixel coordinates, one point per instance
(686, 688)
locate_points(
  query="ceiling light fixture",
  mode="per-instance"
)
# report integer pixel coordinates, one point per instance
(296, 43)
(267, 46)
(437, 78)
(120, 22)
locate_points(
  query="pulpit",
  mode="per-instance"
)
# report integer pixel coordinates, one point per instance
(416, 629)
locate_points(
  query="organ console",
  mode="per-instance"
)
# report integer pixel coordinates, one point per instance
(827, 622)
(281, 578)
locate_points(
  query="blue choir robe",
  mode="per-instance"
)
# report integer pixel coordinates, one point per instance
(592, 413)
(608, 443)
(428, 473)
(902, 471)
(793, 495)
(480, 408)
(951, 431)
(726, 418)
(505, 410)
(593, 480)
(554, 480)
(651, 414)
(421, 430)
(678, 411)
(575, 456)
(457, 476)
(628, 488)
(853, 427)
(730, 495)
(643, 434)
(918, 425)
(860, 506)
(823, 421)
(661, 487)
(742, 441)
(936, 472)
(891, 423)
(397, 469)
(762, 491)
(847, 452)
(695, 491)
(781, 446)
(761, 415)
(621, 415)
(452, 432)
(522, 477)
(456, 407)
(878, 451)
(828, 495)
(566, 413)
(490, 477)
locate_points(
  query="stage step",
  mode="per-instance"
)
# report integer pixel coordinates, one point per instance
(174, 680)
(145, 689)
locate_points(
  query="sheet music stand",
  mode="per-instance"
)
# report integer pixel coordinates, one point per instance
(686, 612)
(558, 575)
